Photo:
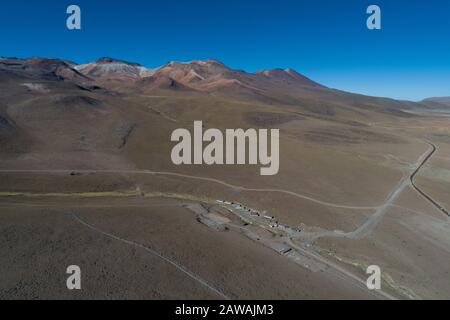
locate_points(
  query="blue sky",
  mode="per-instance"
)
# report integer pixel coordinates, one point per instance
(327, 40)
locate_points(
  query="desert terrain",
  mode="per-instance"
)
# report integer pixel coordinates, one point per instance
(86, 178)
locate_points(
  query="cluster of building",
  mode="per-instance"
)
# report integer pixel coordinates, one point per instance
(240, 207)
(253, 212)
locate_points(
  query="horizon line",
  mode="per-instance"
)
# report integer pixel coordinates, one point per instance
(226, 65)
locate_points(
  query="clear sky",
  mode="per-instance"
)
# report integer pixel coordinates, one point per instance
(327, 40)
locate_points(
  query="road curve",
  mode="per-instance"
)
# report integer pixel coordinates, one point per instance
(420, 191)
(226, 184)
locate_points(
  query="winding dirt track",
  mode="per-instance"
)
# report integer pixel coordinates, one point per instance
(340, 271)
(226, 184)
(153, 252)
(372, 222)
(366, 228)
(360, 232)
(420, 191)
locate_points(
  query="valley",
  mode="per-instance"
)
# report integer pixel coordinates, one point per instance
(86, 178)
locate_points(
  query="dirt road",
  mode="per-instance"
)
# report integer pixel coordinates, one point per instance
(226, 184)
(420, 191)
(372, 222)
(153, 252)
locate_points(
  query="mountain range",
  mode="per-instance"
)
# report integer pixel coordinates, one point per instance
(211, 77)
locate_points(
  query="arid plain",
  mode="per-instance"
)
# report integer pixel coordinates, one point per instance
(86, 178)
